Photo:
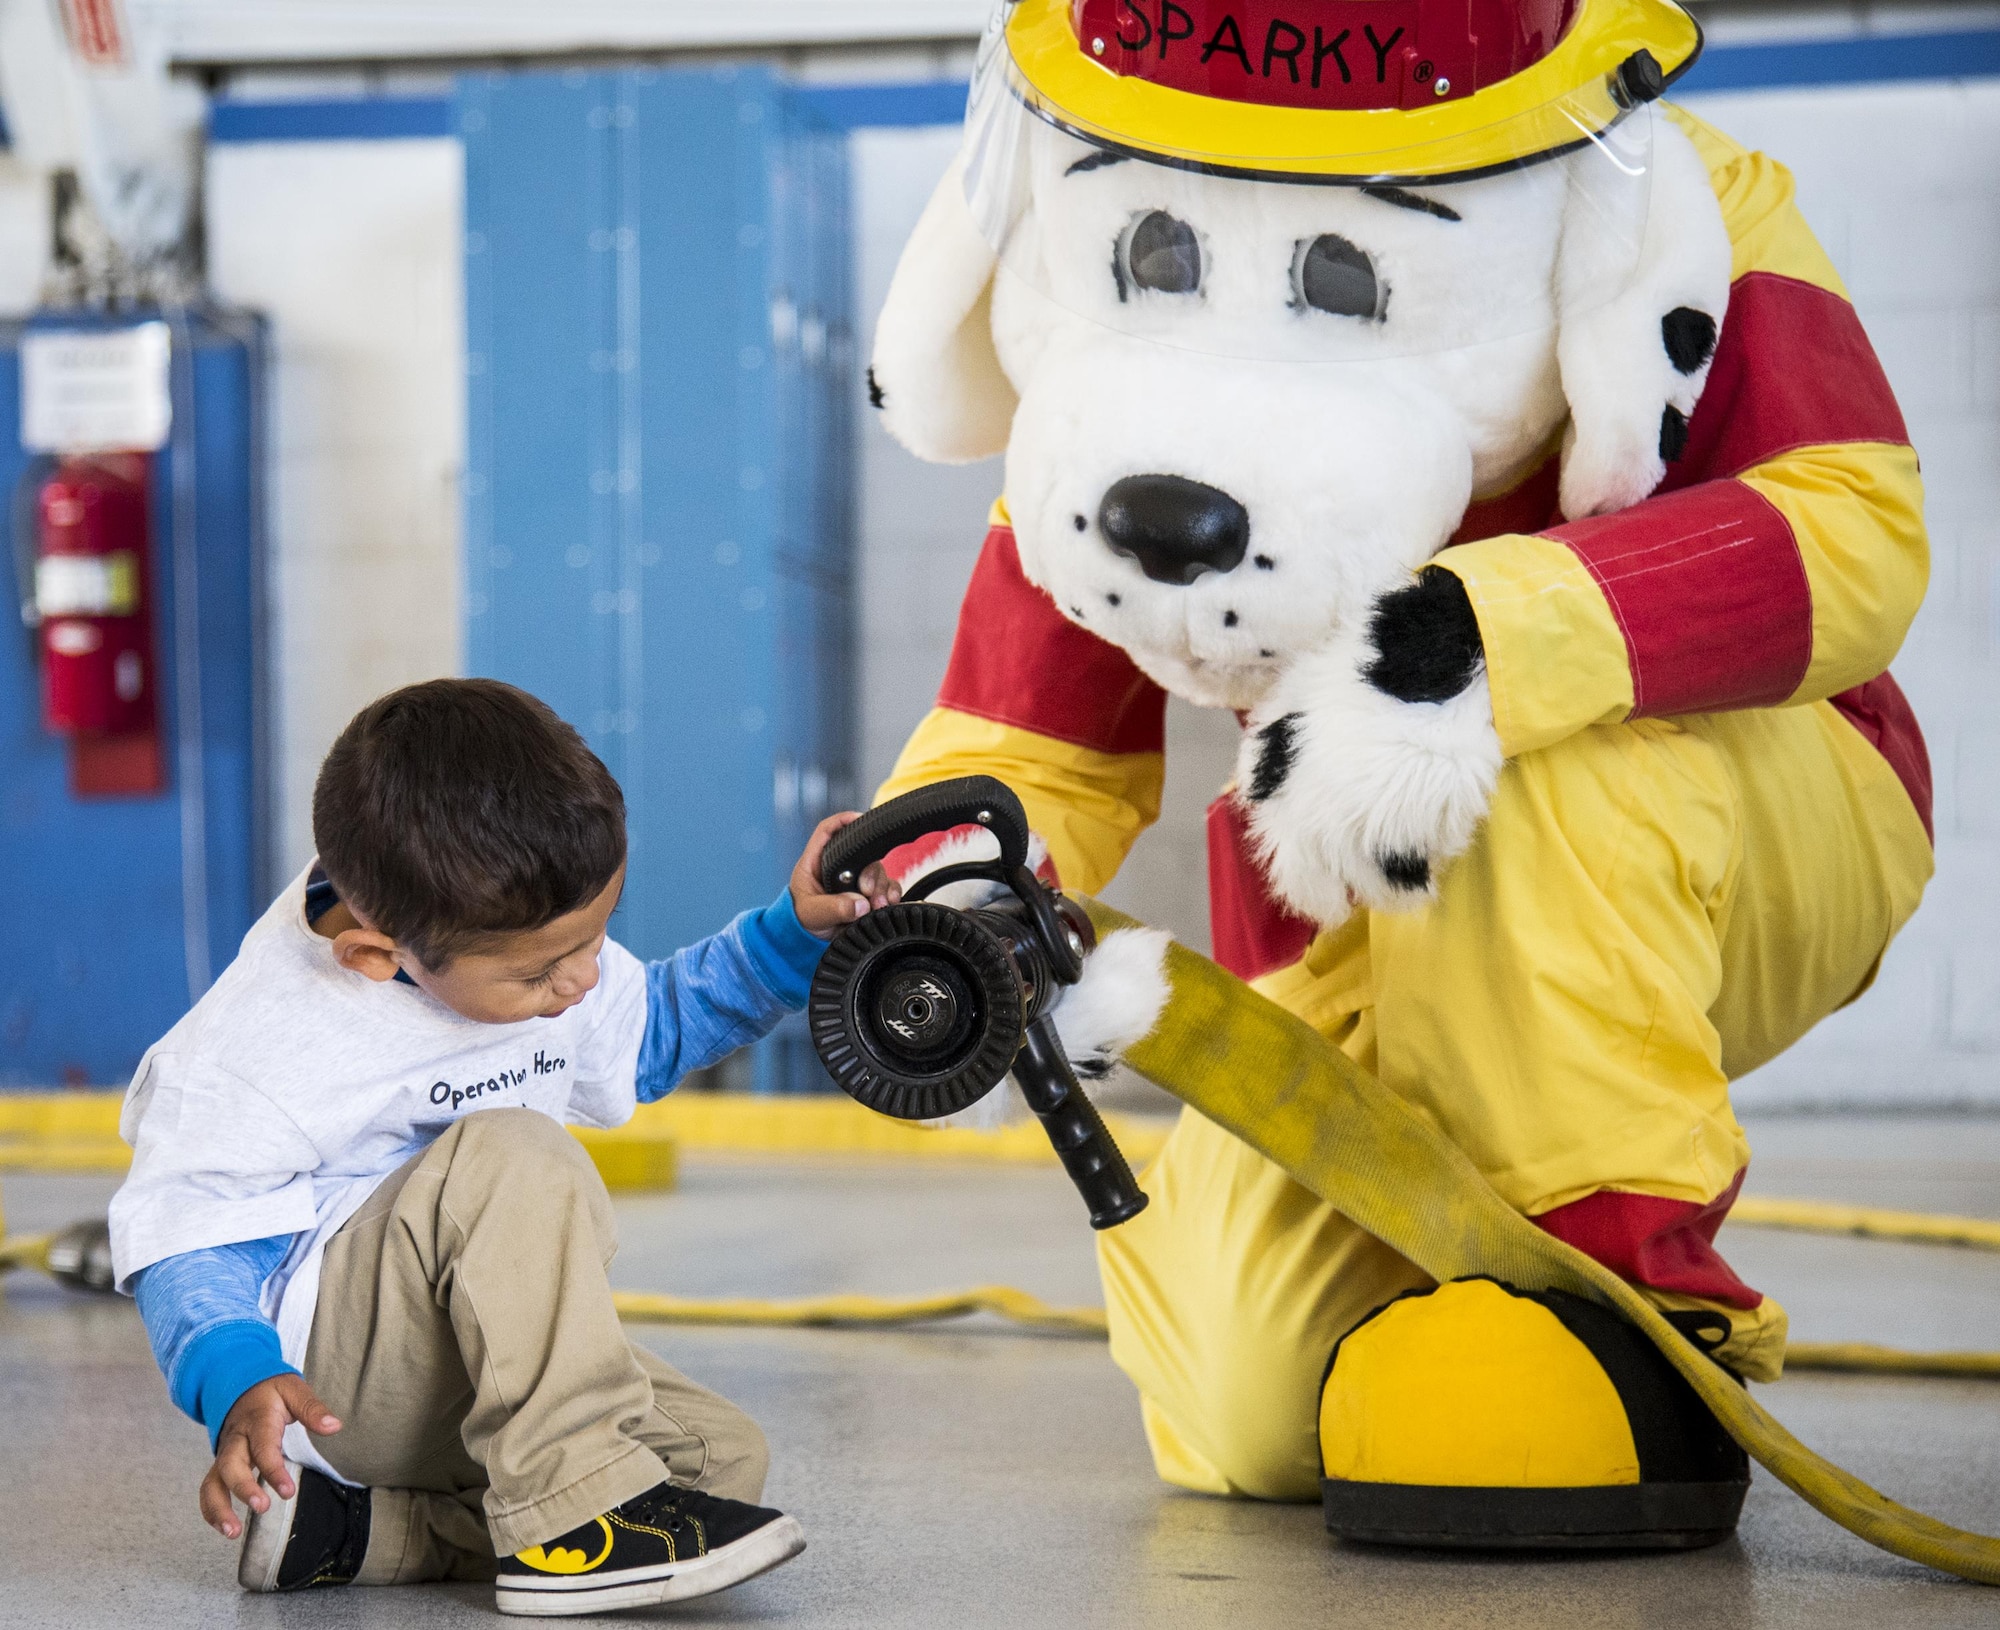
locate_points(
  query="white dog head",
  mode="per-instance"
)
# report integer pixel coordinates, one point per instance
(1236, 411)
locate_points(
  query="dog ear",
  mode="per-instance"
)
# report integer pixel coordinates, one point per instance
(1634, 364)
(935, 376)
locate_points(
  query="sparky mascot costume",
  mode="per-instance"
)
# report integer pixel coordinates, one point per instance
(1495, 440)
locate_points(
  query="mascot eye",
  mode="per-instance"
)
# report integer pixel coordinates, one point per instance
(1330, 274)
(1159, 253)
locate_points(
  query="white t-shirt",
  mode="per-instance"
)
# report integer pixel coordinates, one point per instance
(290, 1090)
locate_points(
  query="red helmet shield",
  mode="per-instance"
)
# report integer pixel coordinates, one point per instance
(1333, 54)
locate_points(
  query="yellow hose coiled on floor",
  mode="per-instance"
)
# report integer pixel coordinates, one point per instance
(1031, 1312)
(1866, 1358)
(1268, 1078)
(1016, 1306)
(1866, 1222)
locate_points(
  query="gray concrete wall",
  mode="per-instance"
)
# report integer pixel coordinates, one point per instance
(352, 250)
(1902, 185)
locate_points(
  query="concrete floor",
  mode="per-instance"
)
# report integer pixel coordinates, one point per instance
(973, 1476)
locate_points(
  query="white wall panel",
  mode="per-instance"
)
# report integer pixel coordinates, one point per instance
(24, 235)
(1902, 185)
(351, 249)
(919, 526)
(220, 31)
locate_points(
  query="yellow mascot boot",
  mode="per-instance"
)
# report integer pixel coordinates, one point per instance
(1479, 1416)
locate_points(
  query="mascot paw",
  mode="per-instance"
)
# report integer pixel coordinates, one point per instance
(1372, 761)
(1117, 1001)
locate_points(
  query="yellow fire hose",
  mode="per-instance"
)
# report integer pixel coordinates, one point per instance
(1267, 1077)
(1031, 1312)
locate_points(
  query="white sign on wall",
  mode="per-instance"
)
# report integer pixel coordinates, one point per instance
(96, 390)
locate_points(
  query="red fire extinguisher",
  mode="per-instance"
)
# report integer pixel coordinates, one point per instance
(93, 596)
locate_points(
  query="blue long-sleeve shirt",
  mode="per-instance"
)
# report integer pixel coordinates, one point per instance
(203, 1309)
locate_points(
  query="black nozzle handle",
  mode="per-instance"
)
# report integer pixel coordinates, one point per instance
(1095, 1163)
(971, 800)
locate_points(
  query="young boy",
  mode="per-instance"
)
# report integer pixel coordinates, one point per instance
(370, 1259)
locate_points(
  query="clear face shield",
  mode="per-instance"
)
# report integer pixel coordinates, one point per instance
(1290, 233)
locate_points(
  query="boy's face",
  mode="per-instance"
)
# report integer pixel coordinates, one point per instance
(534, 974)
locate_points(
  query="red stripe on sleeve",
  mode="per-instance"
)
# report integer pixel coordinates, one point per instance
(1668, 1244)
(1793, 368)
(1709, 589)
(1882, 713)
(1018, 661)
(1249, 928)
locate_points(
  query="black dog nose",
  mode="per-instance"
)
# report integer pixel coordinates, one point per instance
(1174, 528)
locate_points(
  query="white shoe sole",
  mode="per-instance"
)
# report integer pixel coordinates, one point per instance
(264, 1537)
(567, 1597)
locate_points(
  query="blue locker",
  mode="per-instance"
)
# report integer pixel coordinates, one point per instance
(658, 512)
(122, 910)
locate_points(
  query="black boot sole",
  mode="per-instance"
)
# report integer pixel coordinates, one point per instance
(1614, 1517)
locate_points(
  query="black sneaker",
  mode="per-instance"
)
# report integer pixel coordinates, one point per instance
(317, 1537)
(661, 1546)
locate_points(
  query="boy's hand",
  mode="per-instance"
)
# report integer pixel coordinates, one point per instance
(250, 1442)
(824, 913)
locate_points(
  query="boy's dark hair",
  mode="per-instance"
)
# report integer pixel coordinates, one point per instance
(459, 808)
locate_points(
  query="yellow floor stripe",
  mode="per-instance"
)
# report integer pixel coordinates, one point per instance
(59, 1114)
(78, 1132)
(63, 1155)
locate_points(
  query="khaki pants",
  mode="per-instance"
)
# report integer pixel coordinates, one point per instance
(465, 1338)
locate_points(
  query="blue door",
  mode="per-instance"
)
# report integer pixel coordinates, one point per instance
(658, 513)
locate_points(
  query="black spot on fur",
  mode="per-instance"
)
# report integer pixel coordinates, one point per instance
(875, 396)
(1112, 599)
(1689, 337)
(1409, 200)
(1426, 639)
(1077, 613)
(1101, 159)
(1673, 433)
(1229, 619)
(1406, 871)
(1266, 653)
(1264, 563)
(1081, 524)
(1274, 756)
